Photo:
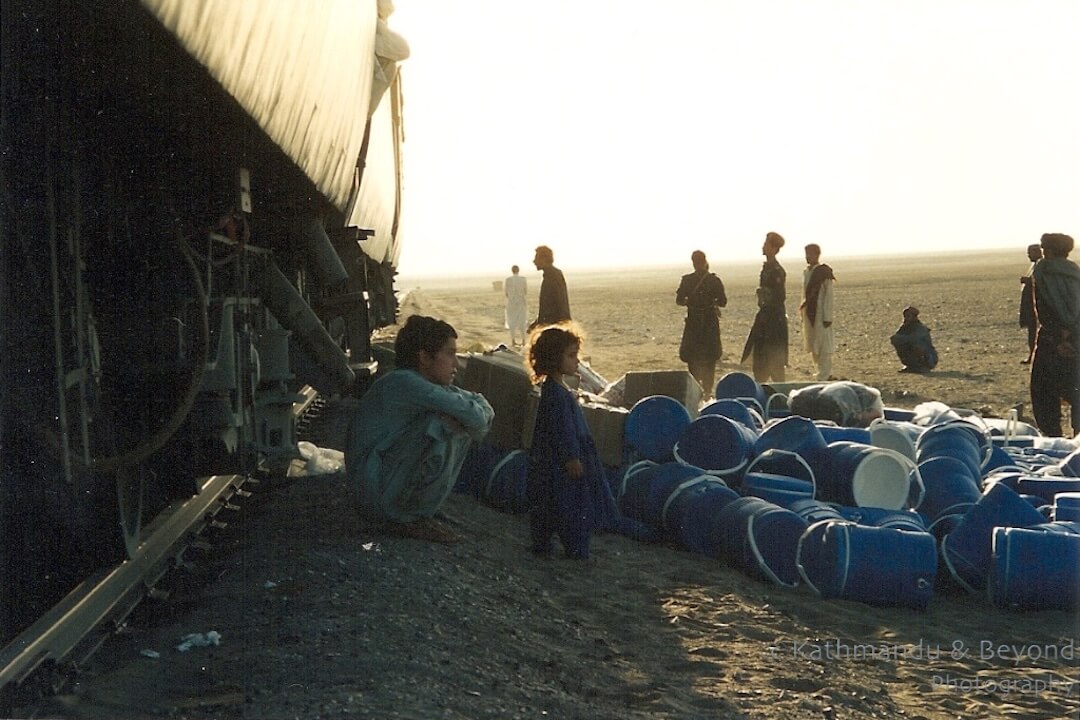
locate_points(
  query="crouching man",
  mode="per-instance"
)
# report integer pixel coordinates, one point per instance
(410, 434)
(913, 344)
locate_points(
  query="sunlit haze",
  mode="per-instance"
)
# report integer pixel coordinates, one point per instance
(631, 133)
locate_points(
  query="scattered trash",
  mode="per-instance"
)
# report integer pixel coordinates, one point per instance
(320, 461)
(150, 653)
(199, 640)
(369, 546)
(269, 584)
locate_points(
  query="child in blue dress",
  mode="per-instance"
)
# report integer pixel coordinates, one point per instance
(566, 487)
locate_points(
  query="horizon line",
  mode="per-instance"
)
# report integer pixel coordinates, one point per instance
(742, 260)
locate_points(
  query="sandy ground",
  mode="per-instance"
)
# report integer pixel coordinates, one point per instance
(319, 618)
(970, 304)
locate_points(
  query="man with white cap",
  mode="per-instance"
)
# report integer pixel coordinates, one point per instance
(817, 311)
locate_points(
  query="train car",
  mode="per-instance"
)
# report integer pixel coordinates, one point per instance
(199, 216)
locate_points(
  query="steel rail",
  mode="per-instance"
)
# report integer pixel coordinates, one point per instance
(109, 595)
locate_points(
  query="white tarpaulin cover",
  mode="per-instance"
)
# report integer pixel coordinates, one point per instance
(376, 205)
(303, 69)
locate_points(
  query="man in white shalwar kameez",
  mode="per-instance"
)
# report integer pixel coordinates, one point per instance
(517, 309)
(817, 311)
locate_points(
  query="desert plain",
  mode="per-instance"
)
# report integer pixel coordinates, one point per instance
(321, 617)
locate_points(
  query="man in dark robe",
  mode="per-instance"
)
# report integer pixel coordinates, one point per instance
(702, 294)
(768, 339)
(913, 344)
(554, 300)
(1027, 301)
(1055, 370)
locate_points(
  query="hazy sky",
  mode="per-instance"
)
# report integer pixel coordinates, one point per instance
(630, 132)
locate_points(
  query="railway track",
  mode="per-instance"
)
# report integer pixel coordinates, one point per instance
(42, 658)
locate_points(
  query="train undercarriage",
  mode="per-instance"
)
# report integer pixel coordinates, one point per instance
(176, 262)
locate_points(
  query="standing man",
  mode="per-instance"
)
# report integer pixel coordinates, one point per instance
(554, 301)
(702, 294)
(817, 311)
(768, 339)
(516, 290)
(1055, 369)
(1027, 301)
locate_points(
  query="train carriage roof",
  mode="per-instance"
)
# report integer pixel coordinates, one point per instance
(305, 71)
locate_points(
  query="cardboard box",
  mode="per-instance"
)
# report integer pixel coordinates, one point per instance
(501, 378)
(677, 384)
(606, 425)
(531, 403)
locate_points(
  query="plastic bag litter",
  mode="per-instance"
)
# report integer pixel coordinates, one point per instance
(1057, 443)
(933, 412)
(615, 392)
(320, 461)
(589, 380)
(848, 404)
(199, 640)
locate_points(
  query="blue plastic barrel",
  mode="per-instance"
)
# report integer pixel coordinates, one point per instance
(1066, 527)
(692, 515)
(813, 511)
(780, 490)
(1014, 441)
(865, 475)
(999, 459)
(646, 492)
(782, 462)
(1035, 569)
(1070, 464)
(716, 444)
(630, 471)
(653, 427)
(1009, 477)
(761, 539)
(944, 524)
(736, 411)
(476, 468)
(737, 385)
(880, 517)
(834, 433)
(795, 434)
(1039, 504)
(967, 549)
(507, 487)
(899, 414)
(1046, 486)
(1067, 507)
(951, 440)
(874, 565)
(948, 488)
(895, 435)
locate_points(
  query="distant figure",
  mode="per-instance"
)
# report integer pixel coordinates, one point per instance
(554, 301)
(1027, 301)
(516, 290)
(411, 432)
(817, 311)
(566, 486)
(1055, 370)
(913, 344)
(768, 339)
(702, 293)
